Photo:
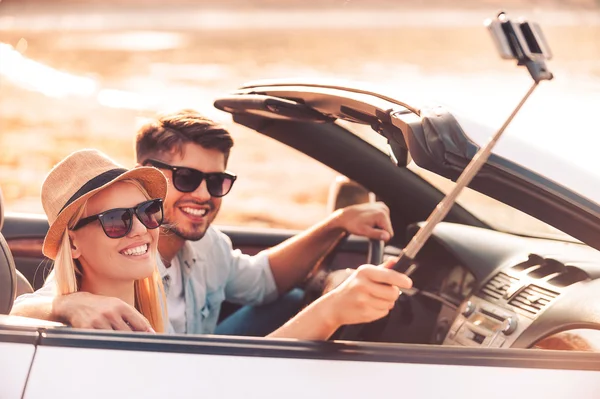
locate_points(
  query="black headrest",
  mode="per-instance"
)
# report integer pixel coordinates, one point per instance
(8, 278)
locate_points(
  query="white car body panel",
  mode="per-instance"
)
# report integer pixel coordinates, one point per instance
(75, 373)
(15, 360)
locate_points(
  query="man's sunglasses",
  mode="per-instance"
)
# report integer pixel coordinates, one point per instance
(117, 222)
(187, 180)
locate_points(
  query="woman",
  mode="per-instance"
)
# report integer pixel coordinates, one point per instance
(104, 232)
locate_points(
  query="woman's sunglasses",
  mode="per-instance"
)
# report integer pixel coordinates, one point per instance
(117, 222)
(187, 180)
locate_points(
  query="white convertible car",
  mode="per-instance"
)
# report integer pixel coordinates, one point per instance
(501, 285)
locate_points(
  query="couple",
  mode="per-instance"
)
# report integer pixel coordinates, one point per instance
(110, 265)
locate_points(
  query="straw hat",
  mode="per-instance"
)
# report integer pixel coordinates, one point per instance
(81, 175)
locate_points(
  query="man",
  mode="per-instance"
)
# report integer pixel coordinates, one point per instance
(199, 268)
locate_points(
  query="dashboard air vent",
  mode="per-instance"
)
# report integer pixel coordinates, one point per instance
(498, 286)
(569, 275)
(532, 299)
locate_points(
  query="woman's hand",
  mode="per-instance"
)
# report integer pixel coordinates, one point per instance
(368, 294)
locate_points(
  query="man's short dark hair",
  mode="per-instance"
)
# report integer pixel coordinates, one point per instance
(169, 132)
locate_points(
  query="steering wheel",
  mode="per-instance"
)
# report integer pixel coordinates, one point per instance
(356, 332)
(375, 254)
(315, 286)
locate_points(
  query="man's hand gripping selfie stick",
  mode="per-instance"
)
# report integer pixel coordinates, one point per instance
(524, 42)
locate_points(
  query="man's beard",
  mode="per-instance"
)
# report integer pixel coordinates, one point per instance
(186, 235)
(193, 234)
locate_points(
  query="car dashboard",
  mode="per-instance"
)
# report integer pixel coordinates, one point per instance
(499, 290)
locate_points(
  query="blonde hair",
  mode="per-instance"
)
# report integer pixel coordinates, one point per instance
(149, 292)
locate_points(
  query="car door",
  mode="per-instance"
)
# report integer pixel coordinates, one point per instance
(76, 364)
(17, 349)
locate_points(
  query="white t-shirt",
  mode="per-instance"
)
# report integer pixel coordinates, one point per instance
(173, 282)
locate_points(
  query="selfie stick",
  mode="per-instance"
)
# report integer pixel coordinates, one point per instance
(524, 42)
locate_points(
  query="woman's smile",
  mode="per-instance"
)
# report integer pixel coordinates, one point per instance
(135, 250)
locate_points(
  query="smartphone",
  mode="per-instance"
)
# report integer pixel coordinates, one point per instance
(521, 40)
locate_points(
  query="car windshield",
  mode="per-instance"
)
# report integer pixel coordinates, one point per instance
(494, 213)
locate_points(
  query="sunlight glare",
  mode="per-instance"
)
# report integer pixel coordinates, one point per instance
(36, 76)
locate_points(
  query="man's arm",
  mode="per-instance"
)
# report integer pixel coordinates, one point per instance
(82, 310)
(293, 259)
(37, 305)
(367, 295)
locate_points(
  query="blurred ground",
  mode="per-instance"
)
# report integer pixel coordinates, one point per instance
(315, 4)
(186, 56)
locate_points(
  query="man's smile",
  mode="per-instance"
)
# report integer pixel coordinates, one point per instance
(194, 211)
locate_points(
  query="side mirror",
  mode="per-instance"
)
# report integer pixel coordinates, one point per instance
(344, 192)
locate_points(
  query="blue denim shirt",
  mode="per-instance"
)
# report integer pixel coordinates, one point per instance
(213, 272)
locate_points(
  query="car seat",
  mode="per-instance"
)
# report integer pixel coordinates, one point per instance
(8, 272)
